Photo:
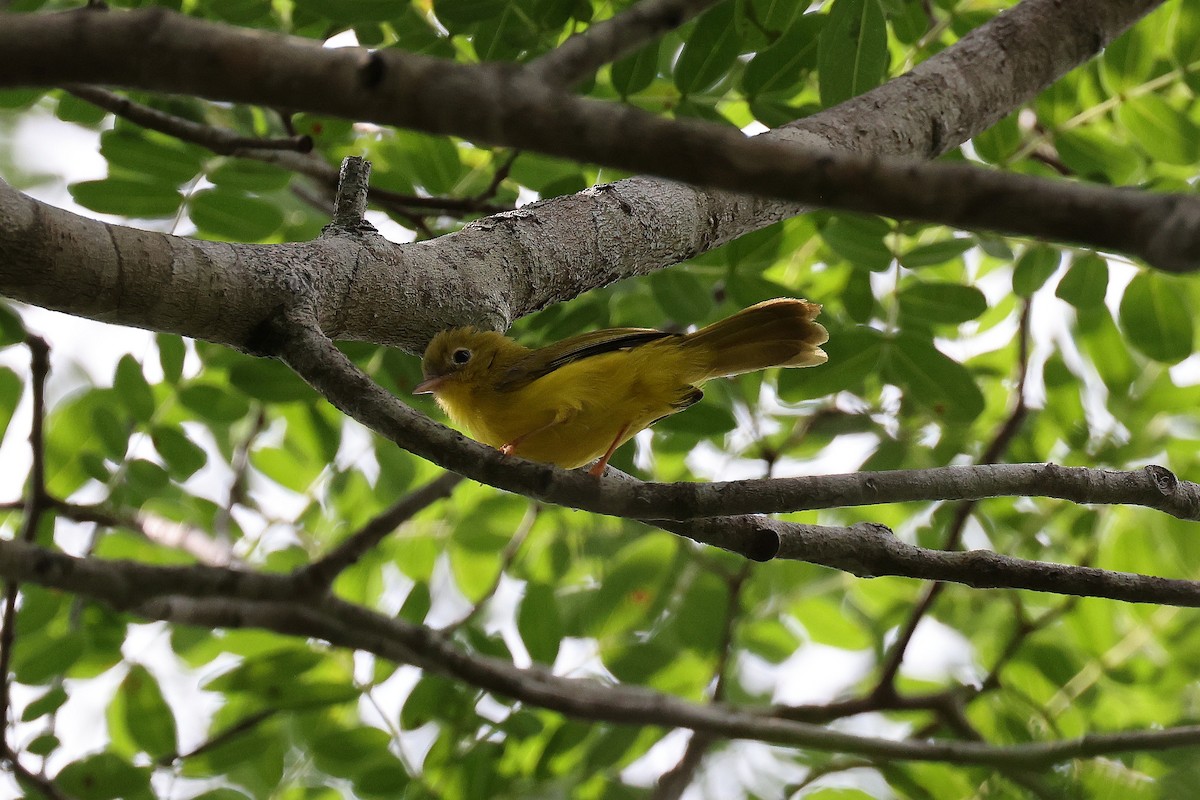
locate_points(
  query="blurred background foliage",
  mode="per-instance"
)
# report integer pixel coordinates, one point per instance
(933, 334)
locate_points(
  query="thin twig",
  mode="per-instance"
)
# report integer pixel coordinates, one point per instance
(605, 42)
(232, 732)
(221, 141)
(673, 782)
(34, 507)
(42, 784)
(498, 177)
(506, 561)
(886, 684)
(292, 152)
(320, 574)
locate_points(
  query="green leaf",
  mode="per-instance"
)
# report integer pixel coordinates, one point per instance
(934, 253)
(1128, 61)
(539, 623)
(233, 215)
(171, 354)
(382, 779)
(10, 394)
(1107, 349)
(182, 456)
(852, 55)
(1086, 282)
(702, 613)
(430, 161)
(48, 703)
(243, 175)
(999, 142)
(684, 297)
(1033, 268)
(338, 751)
(104, 776)
(784, 64)
(769, 639)
(709, 52)
(42, 658)
(433, 698)
(269, 380)
(147, 715)
(156, 156)
(146, 477)
(128, 197)
(133, 390)
(1163, 132)
(860, 240)
(43, 745)
(854, 355)
(263, 670)
(635, 72)
(1157, 318)
(12, 330)
(72, 109)
(942, 302)
(932, 379)
(1097, 156)
(214, 402)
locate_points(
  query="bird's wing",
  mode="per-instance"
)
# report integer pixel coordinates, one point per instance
(546, 359)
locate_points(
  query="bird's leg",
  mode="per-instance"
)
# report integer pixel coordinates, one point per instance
(561, 416)
(599, 467)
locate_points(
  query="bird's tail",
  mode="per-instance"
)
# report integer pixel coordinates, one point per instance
(775, 333)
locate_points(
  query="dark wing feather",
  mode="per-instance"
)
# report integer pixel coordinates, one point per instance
(546, 359)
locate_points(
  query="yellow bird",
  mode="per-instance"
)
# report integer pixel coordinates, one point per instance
(576, 401)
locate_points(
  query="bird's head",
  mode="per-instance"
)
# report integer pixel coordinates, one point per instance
(463, 356)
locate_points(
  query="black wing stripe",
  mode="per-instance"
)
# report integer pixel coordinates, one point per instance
(619, 343)
(608, 346)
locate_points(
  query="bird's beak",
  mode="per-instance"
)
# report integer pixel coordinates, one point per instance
(430, 385)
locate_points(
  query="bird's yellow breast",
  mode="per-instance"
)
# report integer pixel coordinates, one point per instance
(573, 414)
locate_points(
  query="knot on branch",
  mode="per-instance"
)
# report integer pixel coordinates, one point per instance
(1173, 238)
(1164, 480)
(372, 70)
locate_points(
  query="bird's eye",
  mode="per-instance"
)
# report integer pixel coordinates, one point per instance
(461, 356)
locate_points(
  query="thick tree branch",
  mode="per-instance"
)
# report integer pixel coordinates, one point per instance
(500, 106)
(520, 262)
(215, 597)
(319, 362)
(693, 506)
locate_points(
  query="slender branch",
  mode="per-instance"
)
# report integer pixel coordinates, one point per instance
(42, 784)
(160, 530)
(605, 42)
(320, 574)
(318, 361)
(35, 507)
(349, 626)
(238, 493)
(291, 152)
(216, 740)
(218, 597)
(221, 141)
(962, 512)
(675, 781)
(501, 174)
(507, 557)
